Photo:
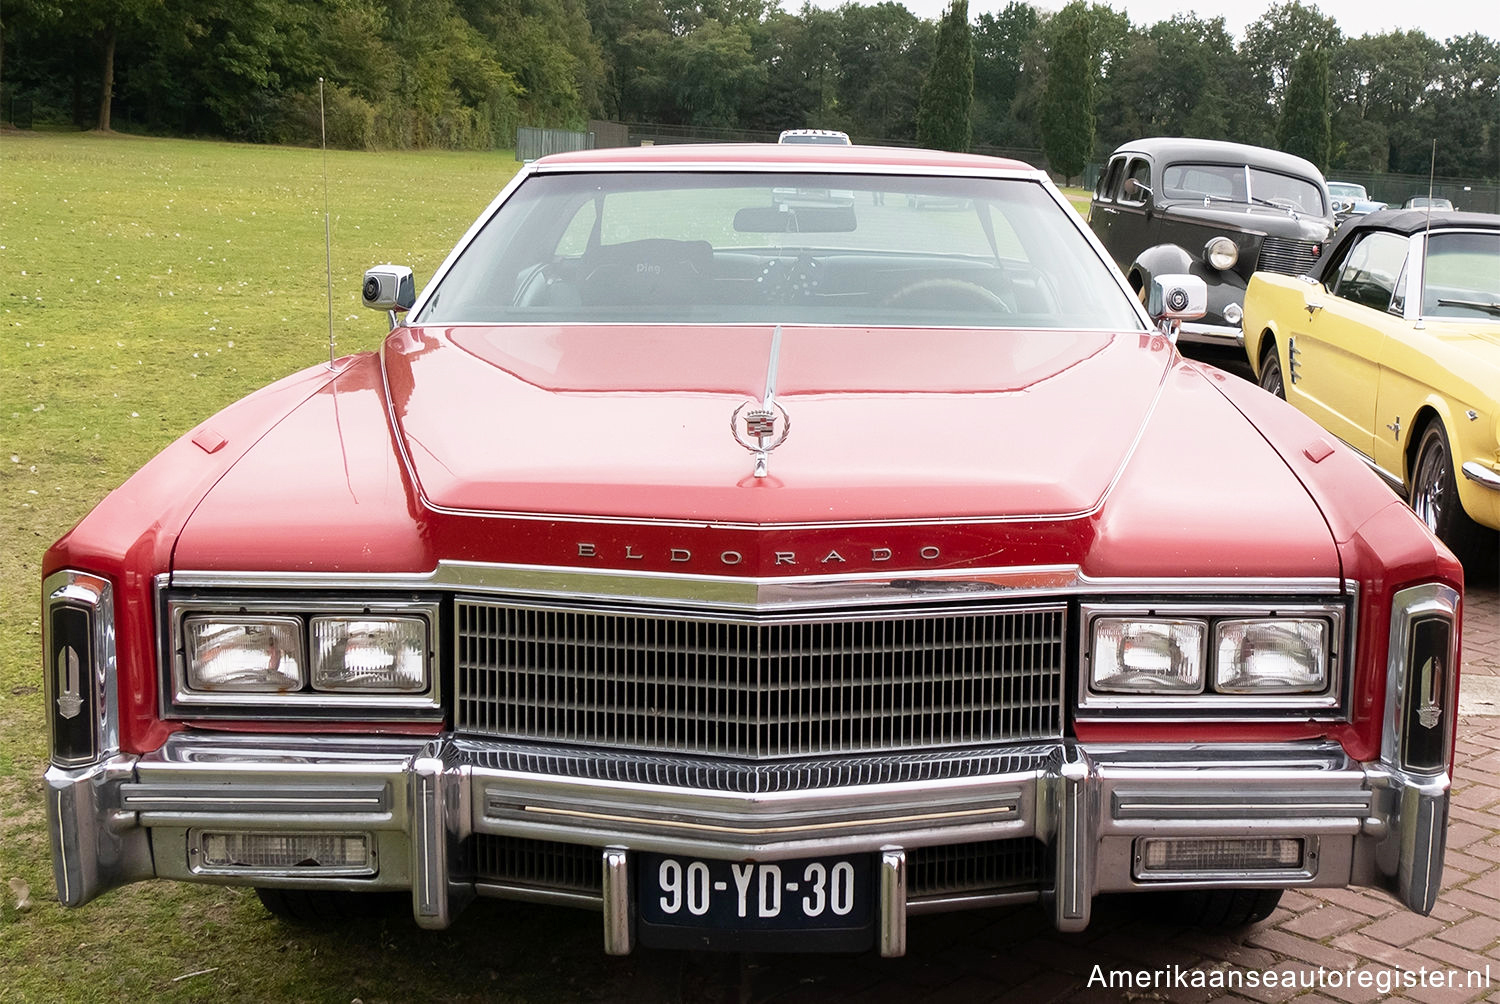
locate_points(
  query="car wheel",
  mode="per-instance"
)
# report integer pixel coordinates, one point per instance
(1222, 908)
(1434, 498)
(1270, 373)
(324, 906)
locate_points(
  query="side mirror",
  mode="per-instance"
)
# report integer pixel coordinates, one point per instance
(1174, 299)
(389, 287)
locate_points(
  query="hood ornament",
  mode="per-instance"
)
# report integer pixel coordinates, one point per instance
(761, 418)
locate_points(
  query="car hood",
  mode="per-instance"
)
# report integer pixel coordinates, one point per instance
(880, 424)
(612, 447)
(1251, 219)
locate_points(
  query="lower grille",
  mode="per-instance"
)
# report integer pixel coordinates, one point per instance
(1288, 256)
(538, 864)
(977, 869)
(992, 866)
(773, 687)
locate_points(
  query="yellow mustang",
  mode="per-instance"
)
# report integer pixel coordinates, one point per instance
(1393, 345)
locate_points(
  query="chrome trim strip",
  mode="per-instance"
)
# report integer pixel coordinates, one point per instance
(616, 902)
(1392, 481)
(429, 842)
(891, 934)
(533, 894)
(943, 904)
(221, 799)
(1142, 803)
(757, 592)
(1478, 473)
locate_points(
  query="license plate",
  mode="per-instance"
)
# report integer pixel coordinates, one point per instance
(809, 904)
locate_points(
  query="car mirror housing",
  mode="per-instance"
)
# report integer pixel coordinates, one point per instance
(1177, 298)
(389, 287)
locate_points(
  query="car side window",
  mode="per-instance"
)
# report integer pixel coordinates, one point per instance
(1369, 274)
(1138, 175)
(1109, 179)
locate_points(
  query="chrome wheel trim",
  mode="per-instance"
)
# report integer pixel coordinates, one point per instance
(1430, 490)
(1270, 376)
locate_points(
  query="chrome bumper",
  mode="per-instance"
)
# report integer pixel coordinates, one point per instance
(134, 818)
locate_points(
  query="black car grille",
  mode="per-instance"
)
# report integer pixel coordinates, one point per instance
(989, 867)
(1288, 256)
(774, 687)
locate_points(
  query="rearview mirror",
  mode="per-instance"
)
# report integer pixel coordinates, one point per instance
(788, 219)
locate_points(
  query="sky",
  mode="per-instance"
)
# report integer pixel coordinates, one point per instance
(1438, 18)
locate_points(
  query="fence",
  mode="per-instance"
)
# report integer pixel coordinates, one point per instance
(532, 143)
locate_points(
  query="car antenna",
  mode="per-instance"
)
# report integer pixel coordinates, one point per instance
(327, 232)
(1426, 238)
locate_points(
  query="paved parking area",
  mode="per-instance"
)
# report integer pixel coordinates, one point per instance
(1014, 955)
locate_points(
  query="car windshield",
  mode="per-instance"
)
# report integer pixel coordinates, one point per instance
(1236, 183)
(1463, 276)
(1345, 190)
(764, 247)
(827, 139)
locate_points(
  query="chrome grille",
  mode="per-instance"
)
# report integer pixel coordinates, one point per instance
(773, 687)
(1288, 256)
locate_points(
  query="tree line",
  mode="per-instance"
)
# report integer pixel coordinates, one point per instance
(466, 73)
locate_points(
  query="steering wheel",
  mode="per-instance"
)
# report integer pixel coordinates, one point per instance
(948, 294)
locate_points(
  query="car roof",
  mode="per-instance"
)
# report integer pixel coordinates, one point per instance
(791, 155)
(1170, 149)
(1407, 222)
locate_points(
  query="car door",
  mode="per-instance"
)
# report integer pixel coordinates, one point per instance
(1102, 211)
(1128, 230)
(1338, 343)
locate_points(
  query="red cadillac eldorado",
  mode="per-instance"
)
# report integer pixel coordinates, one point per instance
(757, 545)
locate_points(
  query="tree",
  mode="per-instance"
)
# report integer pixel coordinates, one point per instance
(1305, 128)
(943, 121)
(1001, 42)
(1068, 97)
(881, 49)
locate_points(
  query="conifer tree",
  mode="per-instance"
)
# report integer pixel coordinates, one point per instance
(943, 121)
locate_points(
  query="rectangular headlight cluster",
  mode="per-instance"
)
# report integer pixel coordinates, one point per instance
(328, 654)
(1239, 659)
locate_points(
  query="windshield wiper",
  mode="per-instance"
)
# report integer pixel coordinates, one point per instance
(1488, 306)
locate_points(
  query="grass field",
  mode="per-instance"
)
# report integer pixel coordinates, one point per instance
(148, 283)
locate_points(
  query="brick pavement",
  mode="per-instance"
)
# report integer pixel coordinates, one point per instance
(1014, 955)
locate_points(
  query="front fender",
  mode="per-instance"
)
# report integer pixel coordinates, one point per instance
(1224, 287)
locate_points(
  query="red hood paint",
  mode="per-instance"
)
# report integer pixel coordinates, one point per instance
(884, 424)
(611, 447)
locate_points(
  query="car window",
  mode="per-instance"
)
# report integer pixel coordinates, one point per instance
(1109, 179)
(1463, 276)
(1369, 274)
(1138, 174)
(726, 247)
(1302, 194)
(1200, 181)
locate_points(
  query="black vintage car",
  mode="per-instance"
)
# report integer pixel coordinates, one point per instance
(1216, 210)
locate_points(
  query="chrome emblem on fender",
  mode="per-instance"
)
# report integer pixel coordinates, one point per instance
(1428, 712)
(69, 687)
(760, 435)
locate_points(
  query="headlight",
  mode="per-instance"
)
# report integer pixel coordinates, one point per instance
(1283, 656)
(302, 656)
(244, 654)
(1148, 656)
(1238, 657)
(369, 654)
(1221, 253)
